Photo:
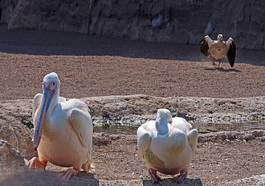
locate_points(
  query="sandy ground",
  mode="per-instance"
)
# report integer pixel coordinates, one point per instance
(214, 163)
(89, 66)
(115, 159)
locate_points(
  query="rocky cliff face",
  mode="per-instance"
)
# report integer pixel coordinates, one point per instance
(182, 21)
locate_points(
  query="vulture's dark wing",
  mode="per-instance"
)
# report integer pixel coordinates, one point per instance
(204, 47)
(231, 54)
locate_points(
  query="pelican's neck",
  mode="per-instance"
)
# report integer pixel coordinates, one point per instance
(162, 125)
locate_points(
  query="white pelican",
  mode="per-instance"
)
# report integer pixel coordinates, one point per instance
(216, 50)
(62, 130)
(167, 145)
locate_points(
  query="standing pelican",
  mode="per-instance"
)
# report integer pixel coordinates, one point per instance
(216, 50)
(62, 130)
(167, 145)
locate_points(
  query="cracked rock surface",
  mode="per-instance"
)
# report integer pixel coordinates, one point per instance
(183, 21)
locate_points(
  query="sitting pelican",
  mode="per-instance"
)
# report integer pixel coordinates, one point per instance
(216, 50)
(62, 130)
(167, 145)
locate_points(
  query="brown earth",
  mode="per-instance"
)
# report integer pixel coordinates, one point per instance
(83, 76)
(215, 163)
(90, 66)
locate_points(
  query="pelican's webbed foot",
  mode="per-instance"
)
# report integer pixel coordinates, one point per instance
(68, 174)
(36, 163)
(154, 176)
(181, 177)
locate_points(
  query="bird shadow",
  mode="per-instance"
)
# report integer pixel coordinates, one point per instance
(21, 41)
(171, 181)
(43, 178)
(221, 69)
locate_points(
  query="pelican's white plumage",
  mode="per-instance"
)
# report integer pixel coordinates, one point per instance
(167, 145)
(63, 129)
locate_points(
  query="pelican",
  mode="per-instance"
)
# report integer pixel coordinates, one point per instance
(216, 50)
(167, 145)
(62, 130)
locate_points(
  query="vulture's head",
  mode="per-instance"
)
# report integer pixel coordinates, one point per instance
(220, 37)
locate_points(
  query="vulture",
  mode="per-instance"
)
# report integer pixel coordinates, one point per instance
(216, 50)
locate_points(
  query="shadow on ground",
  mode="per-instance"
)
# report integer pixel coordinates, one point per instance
(172, 182)
(40, 178)
(75, 44)
(221, 69)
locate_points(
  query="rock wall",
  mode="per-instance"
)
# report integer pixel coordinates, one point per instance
(182, 21)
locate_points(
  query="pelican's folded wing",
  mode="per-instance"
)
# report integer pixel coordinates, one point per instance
(62, 99)
(181, 124)
(193, 138)
(143, 140)
(81, 123)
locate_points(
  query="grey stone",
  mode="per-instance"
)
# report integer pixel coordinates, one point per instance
(183, 21)
(10, 160)
(68, 16)
(257, 180)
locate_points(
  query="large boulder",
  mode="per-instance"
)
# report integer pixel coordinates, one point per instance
(15, 124)
(68, 16)
(7, 8)
(10, 160)
(183, 21)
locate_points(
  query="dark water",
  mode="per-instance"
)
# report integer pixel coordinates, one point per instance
(203, 128)
(206, 128)
(117, 129)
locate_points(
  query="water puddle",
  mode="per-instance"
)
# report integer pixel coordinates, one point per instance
(206, 128)
(117, 129)
(203, 128)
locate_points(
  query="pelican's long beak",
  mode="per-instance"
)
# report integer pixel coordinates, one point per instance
(46, 98)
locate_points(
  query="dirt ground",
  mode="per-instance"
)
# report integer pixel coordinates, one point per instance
(214, 163)
(88, 66)
(95, 67)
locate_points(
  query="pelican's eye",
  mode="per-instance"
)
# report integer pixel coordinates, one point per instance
(52, 85)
